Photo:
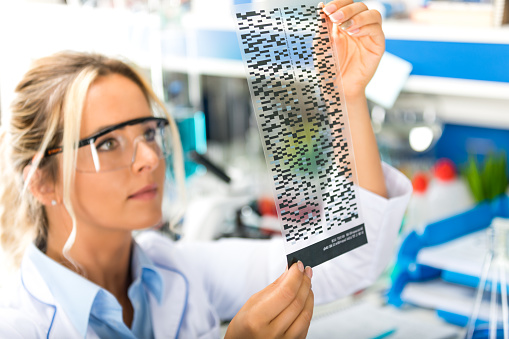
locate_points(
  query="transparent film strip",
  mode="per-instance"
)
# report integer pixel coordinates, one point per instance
(296, 90)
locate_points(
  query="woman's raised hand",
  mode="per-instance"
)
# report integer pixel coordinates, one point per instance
(281, 310)
(359, 41)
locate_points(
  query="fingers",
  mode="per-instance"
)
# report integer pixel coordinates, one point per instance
(286, 304)
(343, 10)
(299, 328)
(354, 17)
(361, 19)
(289, 315)
(280, 294)
(374, 31)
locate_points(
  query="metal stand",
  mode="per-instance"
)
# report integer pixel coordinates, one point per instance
(495, 270)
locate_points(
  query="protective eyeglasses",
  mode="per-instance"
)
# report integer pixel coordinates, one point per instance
(115, 147)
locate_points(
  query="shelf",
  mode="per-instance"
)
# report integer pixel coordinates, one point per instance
(216, 22)
(470, 53)
(432, 49)
(205, 66)
(408, 30)
(457, 87)
(460, 110)
(393, 29)
(453, 66)
(462, 64)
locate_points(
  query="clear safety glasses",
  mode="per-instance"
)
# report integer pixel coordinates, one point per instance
(115, 147)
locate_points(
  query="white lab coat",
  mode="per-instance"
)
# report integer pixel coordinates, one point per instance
(206, 282)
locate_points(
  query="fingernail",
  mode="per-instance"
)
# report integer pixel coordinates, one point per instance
(355, 31)
(329, 9)
(346, 25)
(320, 5)
(309, 272)
(337, 16)
(300, 265)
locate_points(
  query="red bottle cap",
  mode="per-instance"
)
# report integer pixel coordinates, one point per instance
(445, 169)
(420, 182)
(267, 206)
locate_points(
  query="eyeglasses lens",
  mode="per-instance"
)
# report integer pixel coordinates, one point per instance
(117, 149)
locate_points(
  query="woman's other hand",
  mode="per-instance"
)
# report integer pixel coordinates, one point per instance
(359, 41)
(281, 310)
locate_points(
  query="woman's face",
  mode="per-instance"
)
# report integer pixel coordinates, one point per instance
(128, 198)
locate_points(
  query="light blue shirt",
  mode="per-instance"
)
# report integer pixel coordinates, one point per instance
(86, 303)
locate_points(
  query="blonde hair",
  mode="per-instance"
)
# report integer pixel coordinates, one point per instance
(46, 113)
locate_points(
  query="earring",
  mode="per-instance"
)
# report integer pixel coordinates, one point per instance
(53, 202)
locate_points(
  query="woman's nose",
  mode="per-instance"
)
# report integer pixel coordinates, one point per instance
(144, 157)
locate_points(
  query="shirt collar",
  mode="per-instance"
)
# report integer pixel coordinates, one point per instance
(76, 295)
(143, 268)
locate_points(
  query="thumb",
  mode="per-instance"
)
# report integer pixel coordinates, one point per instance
(296, 266)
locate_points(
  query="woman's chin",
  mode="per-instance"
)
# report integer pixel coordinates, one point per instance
(155, 222)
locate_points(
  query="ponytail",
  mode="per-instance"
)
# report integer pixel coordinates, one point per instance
(17, 217)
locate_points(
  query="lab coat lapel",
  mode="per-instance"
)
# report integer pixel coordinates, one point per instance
(168, 316)
(33, 282)
(41, 302)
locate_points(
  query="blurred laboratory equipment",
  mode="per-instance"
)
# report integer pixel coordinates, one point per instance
(493, 281)
(389, 80)
(389, 9)
(255, 220)
(191, 126)
(448, 193)
(232, 134)
(409, 130)
(417, 211)
(226, 102)
(440, 268)
(209, 165)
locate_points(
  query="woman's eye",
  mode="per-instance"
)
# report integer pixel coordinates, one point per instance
(150, 134)
(107, 145)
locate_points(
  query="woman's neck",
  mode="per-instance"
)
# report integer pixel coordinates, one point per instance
(103, 258)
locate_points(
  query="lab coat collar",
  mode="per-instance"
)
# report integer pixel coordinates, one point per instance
(32, 281)
(76, 299)
(168, 315)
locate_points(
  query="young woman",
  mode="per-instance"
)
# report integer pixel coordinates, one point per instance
(67, 213)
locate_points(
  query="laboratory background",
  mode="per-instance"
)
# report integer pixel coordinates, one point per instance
(439, 106)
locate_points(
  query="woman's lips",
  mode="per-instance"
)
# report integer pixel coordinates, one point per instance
(146, 193)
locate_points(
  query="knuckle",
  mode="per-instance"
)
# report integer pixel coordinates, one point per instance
(299, 303)
(306, 283)
(307, 315)
(311, 296)
(374, 13)
(342, 3)
(286, 293)
(307, 312)
(252, 325)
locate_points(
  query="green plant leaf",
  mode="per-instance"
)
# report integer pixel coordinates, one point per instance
(489, 180)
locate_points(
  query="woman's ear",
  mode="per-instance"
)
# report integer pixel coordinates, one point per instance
(43, 190)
